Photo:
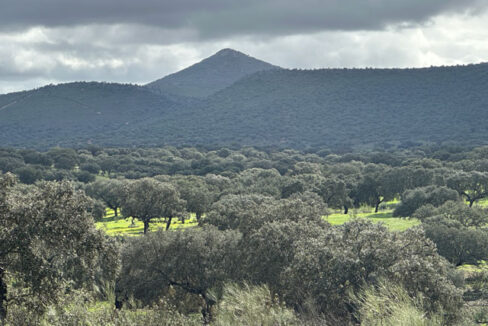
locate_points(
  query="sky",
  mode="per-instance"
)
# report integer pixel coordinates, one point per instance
(127, 41)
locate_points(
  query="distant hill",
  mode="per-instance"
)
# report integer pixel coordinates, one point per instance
(344, 107)
(76, 113)
(210, 75)
(334, 108)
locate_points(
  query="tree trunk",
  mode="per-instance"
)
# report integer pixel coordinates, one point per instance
(146, 226)
(377, 206)
(199, 216)
(3, 297)
(115, 211)
(471, 202)
(346, 209)
(168, 223)
(207, 310)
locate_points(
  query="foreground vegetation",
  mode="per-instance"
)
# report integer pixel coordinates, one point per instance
(243, 237)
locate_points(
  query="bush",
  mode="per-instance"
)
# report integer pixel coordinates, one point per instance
(416, 198)
(326, 269)
(457, 243)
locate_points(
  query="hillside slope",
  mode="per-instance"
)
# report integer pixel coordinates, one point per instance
(210, 75)
(345, 107)
(76, 113)
(336, 108)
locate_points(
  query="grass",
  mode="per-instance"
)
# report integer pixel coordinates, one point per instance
(482, 266)
(385, 217)
(123, 226)
(482, 202)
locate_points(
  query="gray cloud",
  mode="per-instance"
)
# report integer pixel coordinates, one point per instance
(205, 19)
(129, 41)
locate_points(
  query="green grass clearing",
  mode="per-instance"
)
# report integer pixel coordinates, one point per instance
(123, 226)
(385, 217)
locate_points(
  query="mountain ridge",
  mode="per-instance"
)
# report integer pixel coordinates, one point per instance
(329, 107)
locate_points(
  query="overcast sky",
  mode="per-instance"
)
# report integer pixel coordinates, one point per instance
(54, 41)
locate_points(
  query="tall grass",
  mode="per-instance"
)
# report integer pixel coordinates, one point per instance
(252, 305)
(389, 304)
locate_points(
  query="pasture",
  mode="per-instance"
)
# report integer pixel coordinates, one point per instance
(385, 217)
(127, 227)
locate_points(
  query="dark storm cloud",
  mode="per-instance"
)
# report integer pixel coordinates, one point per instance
(222, 18)
(52, 41)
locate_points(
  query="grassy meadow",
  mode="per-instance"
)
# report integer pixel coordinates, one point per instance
(385, 217)
(125, 226)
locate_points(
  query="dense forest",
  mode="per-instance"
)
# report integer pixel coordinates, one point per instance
(243, 236)
(231, 99)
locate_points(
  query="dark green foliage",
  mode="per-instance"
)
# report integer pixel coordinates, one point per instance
(85, 176)
(261, 222)
(472, 185)
(237, 212)
(269, 250)
(78, 113)
(334, 192)
(10, 164)
(63, 158)
(147, 199)
(457, 230)
(97, 209)
(47, 242)
(333, 108)
(28, 174)
(193, 260)
(376, 186)
(459, 244)
(455, 210)
(327, 268)
(247, 213)
(196, 193)
(110, 191)
(337, 108)
(34, 157)
(91, 167)
(416, 198)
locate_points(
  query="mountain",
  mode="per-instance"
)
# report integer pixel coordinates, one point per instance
(76, 113)
(335, 108)
(210, 75)
(343, 107)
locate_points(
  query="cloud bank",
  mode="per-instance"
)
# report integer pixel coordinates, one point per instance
(53, 41)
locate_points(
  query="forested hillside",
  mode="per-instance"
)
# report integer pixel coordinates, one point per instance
(76, 113)
(334, 108)
(210, 75)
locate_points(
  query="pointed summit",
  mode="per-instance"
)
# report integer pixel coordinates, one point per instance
(229, 51)
(210, 75)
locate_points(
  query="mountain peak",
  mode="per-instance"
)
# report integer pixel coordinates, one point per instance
(210, 75)
(229, 51)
